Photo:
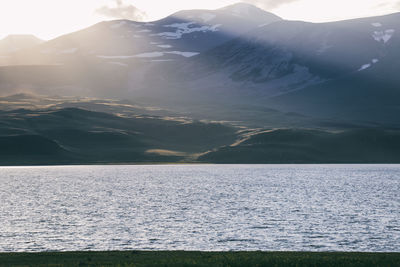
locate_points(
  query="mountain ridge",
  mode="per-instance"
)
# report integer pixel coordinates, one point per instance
(178, 36)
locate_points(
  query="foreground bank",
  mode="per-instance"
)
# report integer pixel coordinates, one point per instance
(180, 258)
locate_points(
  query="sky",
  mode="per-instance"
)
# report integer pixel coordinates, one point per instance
(48, 19)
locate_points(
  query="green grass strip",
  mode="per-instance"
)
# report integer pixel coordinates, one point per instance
(181, 258)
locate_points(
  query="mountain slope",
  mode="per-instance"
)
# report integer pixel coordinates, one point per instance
(370, 93)
(290, 55)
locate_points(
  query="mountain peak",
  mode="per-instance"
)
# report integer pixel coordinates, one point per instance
(240, 8)
(22, 37)
(246, 10)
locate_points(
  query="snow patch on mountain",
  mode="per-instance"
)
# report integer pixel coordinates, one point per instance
(185, 54)
(376, 24)
(383, 36)
(168, 35)
(184, 28)
(364, 67)
(151, 55)
(164, 46)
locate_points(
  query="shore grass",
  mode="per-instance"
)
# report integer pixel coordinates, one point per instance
(182, 258)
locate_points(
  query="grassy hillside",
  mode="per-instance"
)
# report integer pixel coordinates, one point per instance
(67, 130)
(312, 146)
(72, 135)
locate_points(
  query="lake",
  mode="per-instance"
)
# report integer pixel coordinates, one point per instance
(201, 207)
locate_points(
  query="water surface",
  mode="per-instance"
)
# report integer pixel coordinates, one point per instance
(201, 207)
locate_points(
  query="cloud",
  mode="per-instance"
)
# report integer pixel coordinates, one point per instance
(268, 4)
(120, 10)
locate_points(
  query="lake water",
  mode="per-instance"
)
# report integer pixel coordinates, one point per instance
(201, 207)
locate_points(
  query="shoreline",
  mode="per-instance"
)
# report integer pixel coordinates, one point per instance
(185, 163)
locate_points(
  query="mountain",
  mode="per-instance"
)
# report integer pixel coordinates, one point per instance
(237, 63)
(114, 59)
(342, 70)
(16, 42)
(181, 35)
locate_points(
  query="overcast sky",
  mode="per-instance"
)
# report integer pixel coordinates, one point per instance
(50, 18)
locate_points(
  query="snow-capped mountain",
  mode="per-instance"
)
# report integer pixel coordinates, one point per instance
(238, 55)
(181, 35)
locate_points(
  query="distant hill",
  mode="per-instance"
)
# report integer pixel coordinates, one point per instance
(62, 130)
(312, 146)
(76, 136)
(15, 42)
